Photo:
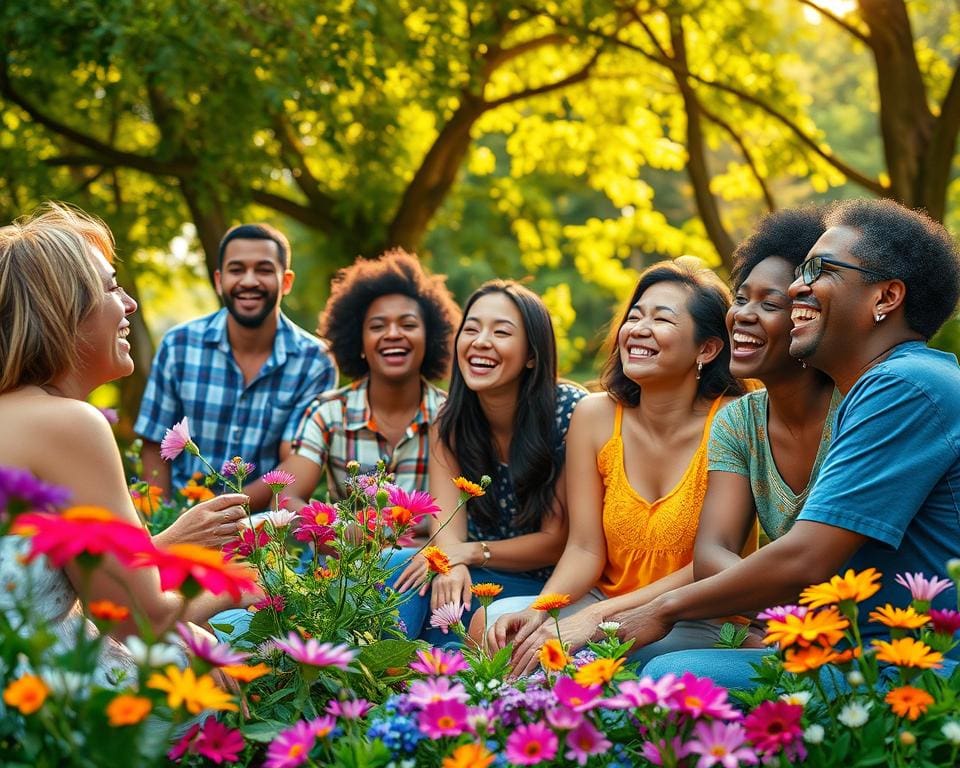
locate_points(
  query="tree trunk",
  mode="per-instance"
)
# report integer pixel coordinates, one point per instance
(208, 217)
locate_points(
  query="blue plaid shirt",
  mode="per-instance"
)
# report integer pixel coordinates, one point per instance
(194, 375)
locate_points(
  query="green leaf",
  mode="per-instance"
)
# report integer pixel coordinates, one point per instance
(264, 731)
(384, 654)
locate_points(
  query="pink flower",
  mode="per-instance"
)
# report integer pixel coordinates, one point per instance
(443, 718)
(945, 622)
(291, 747)
(922, 588)
(405, 508)
(423, 692)
(245, 543)
(479, 720)
(177, 440)
(206, 648)
(185, 744)
(780, 612)
(276, 602)
(660, 751)
(578, 697)
(314, 653)
(585, 741)
(278, 479)
(322, 726)
(700, 697)
(237, 466)
(218, 743)
(643, 693)
(349, 709)
(774, 725)
(563, 718)
(110, 414)
(316, 519)
(720, 743)
(446, 616)
(531, 743)
(437, 661)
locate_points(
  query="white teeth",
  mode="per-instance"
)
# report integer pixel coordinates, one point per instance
(393, 351)
(802, 314)
(745, 338)
(482, 362)
(124, 332)
(640, 352)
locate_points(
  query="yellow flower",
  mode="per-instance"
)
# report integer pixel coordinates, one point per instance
(909, 702)
(246, 673)
(553, 657)
(551, 602)
(26, 694)
(186, 689)
(850, 586)
(899, 617)
(800, 660)
(825, 627)
(599, 672)
(468, 756)
(465, 486)
(907, 652)
(437, 560)
(128, 710)
(486, 589)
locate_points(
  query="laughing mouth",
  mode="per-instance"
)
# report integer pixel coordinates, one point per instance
(803, 313)
(747, 341)
(394, 352)
(482, 362)
(641, 352)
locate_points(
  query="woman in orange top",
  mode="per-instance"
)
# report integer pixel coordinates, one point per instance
(637, 464)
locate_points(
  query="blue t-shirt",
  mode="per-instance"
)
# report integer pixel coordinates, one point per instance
(893, 471)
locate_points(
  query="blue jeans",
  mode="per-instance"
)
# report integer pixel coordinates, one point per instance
(415, 610)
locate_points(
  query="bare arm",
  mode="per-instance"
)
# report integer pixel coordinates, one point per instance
(725, 522)
(307, 473)
(156, 471)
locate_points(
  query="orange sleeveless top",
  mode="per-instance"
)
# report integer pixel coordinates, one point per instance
(647, 541)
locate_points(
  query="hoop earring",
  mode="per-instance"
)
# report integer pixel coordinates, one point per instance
(699, 369)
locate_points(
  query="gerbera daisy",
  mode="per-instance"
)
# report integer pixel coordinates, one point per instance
(190, 568)
(437, 661)
(26, 693)
(206, 648)
(552, 655)
(825, 627)
(126, 709)
(469, 756)
(551, 602)
(775, 725)
(468, 488)
(349, 709)
(437, 560)
(409, 508)
(851, 587)
(278, 479)
(720, 744)
(899, 618)
(314, 653)
(184, 688)
(909, 702)
(106, 610)
(945, 622)
(800, 660)
(446, 616)
(599, 672)
(291, 747)
(245, 673)
(531, 743)
(177, 440)
(447, 717)
(908, 652)
(486, 590)
(921, 588)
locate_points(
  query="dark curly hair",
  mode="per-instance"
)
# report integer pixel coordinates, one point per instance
(708, 304)
(356, 287)
(788, 234)
(907, 245)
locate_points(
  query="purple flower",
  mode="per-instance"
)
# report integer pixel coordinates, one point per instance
(110, 414)
(659, 751)
(21, 490)
(921, 588)
(720, 743)
(446, 616)
(780, 612)
(206, 648)
(563, 718)
(944, 622)
(349, 709)
(291, 747)
(315, 653)
(278, 479)
(177, 440)
(237, 466)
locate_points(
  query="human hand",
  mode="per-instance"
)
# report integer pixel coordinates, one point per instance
(452, 587)
(210, 523)
(413, 576)
(575, 632)
(643, 624)
(514, 628)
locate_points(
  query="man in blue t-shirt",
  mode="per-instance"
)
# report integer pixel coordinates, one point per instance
(874, 288)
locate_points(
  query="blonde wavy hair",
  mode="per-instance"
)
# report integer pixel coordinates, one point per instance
(48, 285)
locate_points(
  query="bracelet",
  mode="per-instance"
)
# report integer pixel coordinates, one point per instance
(485, 551)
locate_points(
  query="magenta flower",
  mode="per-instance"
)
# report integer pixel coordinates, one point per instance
(218, 743)
(701, 697)
(531, 743)
(443, 718)
(585, 741)
(316, 519)
(578, 697)
(322, 726)
(247, 540)
(405, 508)
(780, 612)
(349, 709)
(720, 743)
(184, 744)
(437, 661)
(663, 751)
(237, 466)
(774, 725)
(446, 616)
(921, 588)
(206, 648)
(177, 440)
(276, 602)
(314, 653)
(643, 692)
(423, 692)
(563, 718)
(945, 622)
(278, 479)
(291, 747)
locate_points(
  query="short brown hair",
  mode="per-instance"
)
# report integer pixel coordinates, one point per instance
(48, 286)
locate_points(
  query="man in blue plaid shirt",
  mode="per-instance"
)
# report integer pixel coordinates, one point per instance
(244, 375)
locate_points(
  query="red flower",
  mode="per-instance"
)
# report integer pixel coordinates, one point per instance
(245, 543)
(208, 568)
(775, 725)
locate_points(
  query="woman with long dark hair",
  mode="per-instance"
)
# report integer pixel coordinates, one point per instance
(638, 453)
(506, 416)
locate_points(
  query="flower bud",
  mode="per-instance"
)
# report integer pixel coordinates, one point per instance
(382, 498)
(907, 739)
(485, 481)
(855, 678)
(353, 467)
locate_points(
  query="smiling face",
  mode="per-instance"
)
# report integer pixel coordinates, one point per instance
(657, 340)
(759, 324)
(394, 338)
(833, 315)
(105, 351)
(492, 346)
(252, 280)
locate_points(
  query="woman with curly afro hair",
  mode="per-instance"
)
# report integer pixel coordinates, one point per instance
(390, 326)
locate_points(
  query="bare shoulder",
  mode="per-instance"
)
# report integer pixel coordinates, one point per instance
(593, 417)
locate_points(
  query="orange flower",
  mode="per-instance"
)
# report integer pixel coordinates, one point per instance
(486, 589)
(195, 493)
(909, 702)
(899, 618)
(551, 602)
(437, 560)
(108, 611)
(800, 660)
(128, 710)
(468, 756)
(147, 503)
(907, 652)
(845, 657)
(850, 586)
(186, 689)
(246, 673)
(553, 657)
(200, 567)
(599, 672)
(465, 486)
(26, 694)
(825, 627)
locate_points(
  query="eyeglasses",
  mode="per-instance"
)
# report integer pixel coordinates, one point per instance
(812, 268)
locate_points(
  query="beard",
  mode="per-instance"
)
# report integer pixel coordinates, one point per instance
(270, 301)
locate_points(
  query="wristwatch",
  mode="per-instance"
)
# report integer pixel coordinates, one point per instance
(485, 551)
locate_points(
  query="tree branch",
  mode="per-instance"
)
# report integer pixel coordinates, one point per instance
(305, 214)
(579, 76)
(846, 26)
(294, 156)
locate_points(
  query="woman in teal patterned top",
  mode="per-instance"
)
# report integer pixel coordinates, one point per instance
(765, 448)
